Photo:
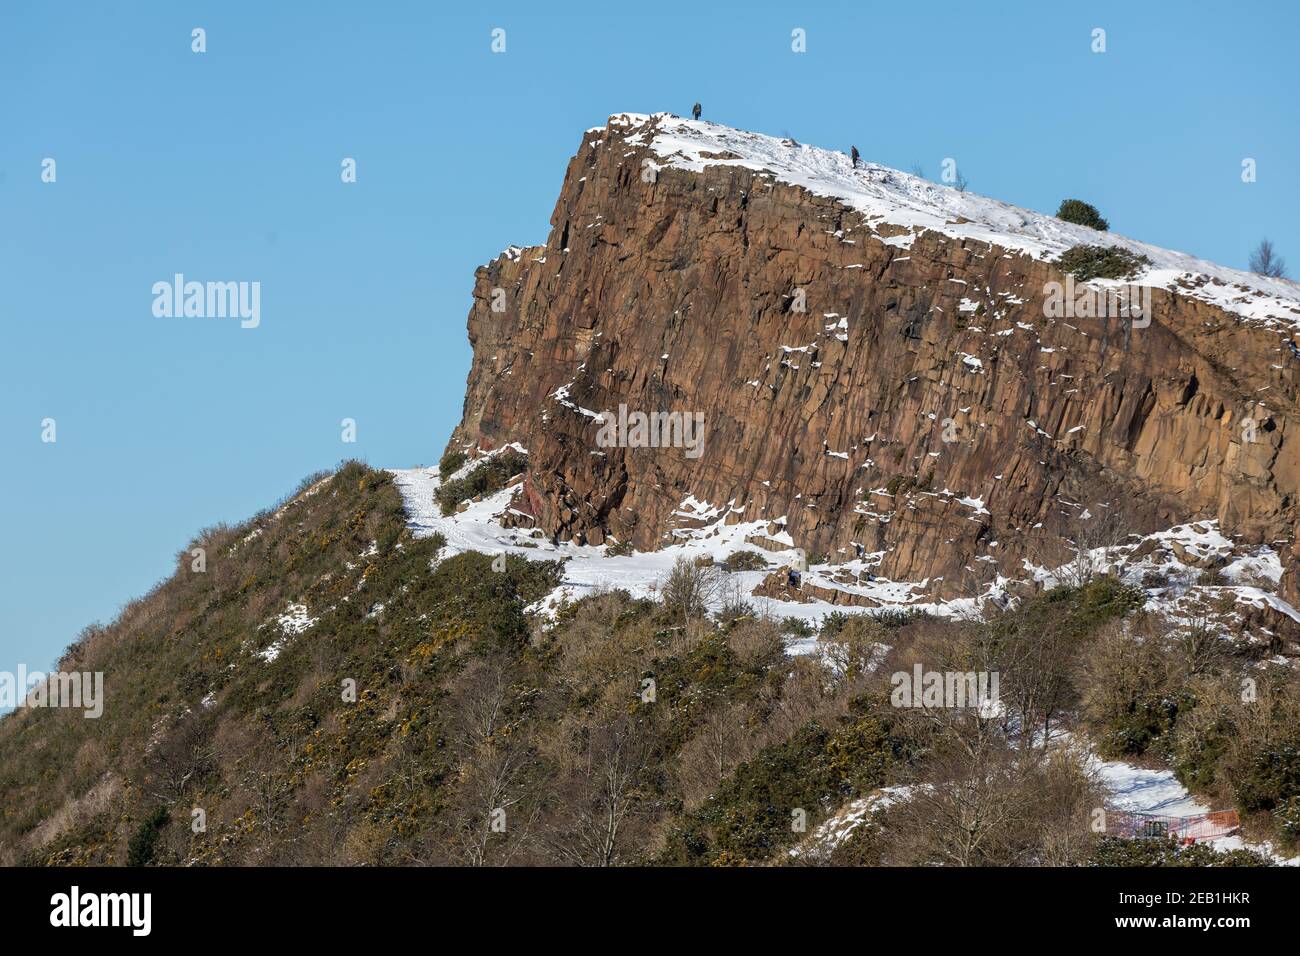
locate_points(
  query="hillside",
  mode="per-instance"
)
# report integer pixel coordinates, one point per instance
(554, 648)
(615, 729)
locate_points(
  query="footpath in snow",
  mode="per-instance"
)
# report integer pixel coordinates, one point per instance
(591, 569)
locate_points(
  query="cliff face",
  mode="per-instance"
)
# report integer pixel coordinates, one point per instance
(875, 366)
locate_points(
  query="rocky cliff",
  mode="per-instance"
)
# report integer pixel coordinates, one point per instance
(883, 366)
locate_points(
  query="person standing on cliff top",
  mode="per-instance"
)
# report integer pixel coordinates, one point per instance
(695, 111)
(854, 154)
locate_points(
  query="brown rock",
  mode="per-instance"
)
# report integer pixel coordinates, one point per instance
(677, 295)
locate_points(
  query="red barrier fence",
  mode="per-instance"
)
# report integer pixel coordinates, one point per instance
(1185, 829)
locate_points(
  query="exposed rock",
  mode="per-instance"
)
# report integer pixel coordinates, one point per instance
(669, 289)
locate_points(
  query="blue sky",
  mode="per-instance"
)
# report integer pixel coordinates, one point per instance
(225, 166)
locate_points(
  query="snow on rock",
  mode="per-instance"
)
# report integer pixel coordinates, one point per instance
(591, 569)
(1264, 565)
(885, 195)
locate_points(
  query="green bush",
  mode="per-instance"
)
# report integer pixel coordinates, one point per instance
(1082, 214)
(619, 549)
(488, 478)
(817, 769)
(1112, 851)
(896, 617)
(1101, 262)
(1132, 732)
(833, 623)
(1287, 815)
(451, 462)
(736, 610)
(143, 845)
(1271, 775)
(797, 626)
(745, 560)
(1197, 746)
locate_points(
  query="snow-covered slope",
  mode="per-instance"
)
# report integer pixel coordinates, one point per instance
(1164, 564)
(590, 570)
(888, 197)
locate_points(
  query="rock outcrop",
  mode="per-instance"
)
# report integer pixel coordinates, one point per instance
(877, 363)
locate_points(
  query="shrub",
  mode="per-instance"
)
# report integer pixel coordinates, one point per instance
(745, 560)
(1101, 262)
(756, 643)
(619, 549)
(735, 610)
(896, 617)
(690, 588)
(1154, 579)
(749, 816)
(451, 462)
(1270, 773)
(797, 626)
(833, 623)
(143, 845)
(1287, 815)
(488, 478)
(855, 646)
(1112, 851)
(1082, 214)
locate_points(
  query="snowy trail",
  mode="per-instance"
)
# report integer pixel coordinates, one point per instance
(590, 569)
(1144, 790)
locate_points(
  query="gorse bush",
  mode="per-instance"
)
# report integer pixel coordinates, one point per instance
(1112, 851)
(1081, 214)
(144, 841)
(451, 462)
(487, 478)
(622, 730)
(798, 627)
(1101, 262)
(1287, 814)
(745, 560)
(763, 806)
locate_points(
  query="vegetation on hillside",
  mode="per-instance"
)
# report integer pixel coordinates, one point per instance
(1081, 214)
(1101, 262)
(485, 478)
(331, 690)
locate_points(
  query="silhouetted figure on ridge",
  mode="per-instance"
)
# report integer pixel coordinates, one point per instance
(854, 154)
(695, 111)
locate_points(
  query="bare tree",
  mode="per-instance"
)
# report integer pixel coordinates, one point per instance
(1266, 262)
(600, 794)
(1094, 533)
(495, 808)
(184, 752)
(1036, 667)
(691, 588)
(717, 748)
(993, 806)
